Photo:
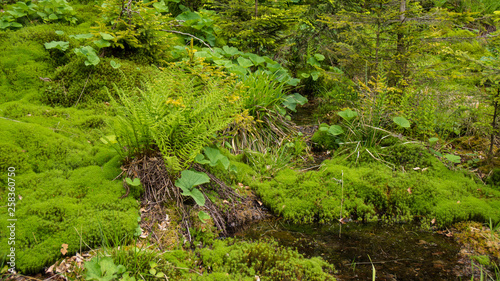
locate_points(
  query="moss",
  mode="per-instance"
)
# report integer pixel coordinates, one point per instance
(75, 82)
(494, 178)
(22, 61)
(322, 141)
(57, 207)
(371, 190)
(264, 259)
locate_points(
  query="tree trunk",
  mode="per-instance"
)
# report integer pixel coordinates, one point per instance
(256, 8)
(401, 46)
(493, 124)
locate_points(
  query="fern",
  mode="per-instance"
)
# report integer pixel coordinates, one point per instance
(176, 114)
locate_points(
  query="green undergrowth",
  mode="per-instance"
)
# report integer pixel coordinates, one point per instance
(64, 189)
(228, 259)
(265, 259)
(421, 187)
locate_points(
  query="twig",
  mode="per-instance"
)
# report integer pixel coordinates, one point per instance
(341, 204)
(84, 86)
(81, 238)
(187, 34)
(11, 119)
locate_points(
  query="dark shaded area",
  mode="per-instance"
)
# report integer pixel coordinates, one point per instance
(398, 252)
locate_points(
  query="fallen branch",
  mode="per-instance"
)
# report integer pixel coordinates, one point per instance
(187, 34)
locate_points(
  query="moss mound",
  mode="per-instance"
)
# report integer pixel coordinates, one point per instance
(75, 82)
(264, 259)
(372, 190)
(64, 194)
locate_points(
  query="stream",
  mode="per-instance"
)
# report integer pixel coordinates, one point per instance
(398, 252)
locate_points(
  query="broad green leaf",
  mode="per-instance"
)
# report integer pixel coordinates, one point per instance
(89, 53)
(200, 159)
(203, 216)
(4, 24)
(433, 140)
(291, 101)
(190, 179)
(312, 61)
(226, 63)
(203, 54)
(106, 36)
(197, 196)
(59, 32)
(109, 139)
(233, 168)
(101, 43)
(230, 51)
(305, 75)
(127, 277)
(315, 75)
(82, 36)
(135, 182)
(347, 114)
(453, 158)
(215, 157)
(319, 57)
(93, 269)
(293, 81)
(335, 130)
(115, 64)
(16, 14)
(108, 268)
(257, 60)
(274, 67)
(188, 16)
(161, 7)
(53, 17)
(244, 62)
(402, 122)
(236, 69)
(60, 45)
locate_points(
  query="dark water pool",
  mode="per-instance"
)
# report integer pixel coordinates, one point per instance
(398, 252)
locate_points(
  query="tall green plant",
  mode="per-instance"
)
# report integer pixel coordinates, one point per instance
(177, 113)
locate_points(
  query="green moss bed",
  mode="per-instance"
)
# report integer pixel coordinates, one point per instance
(420, 188)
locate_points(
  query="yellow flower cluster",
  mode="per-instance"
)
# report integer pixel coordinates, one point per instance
(175, 102)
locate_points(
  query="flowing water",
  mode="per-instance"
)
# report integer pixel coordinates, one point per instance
(398, 252)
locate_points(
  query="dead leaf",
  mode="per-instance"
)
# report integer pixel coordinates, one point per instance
(225, 201)
(433, 221)
(458, 202)
(163, 226)
(50, 269)
(144, 234)
(260, 203)
(20, 197)
(416, 168)
(64, 249)
(283, 207)
(409, 190)
(143, 210)
(424, 169)
(240, 184)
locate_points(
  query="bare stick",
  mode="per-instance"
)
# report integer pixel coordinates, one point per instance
(84, 86)
(341, 204)
(191, 35)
